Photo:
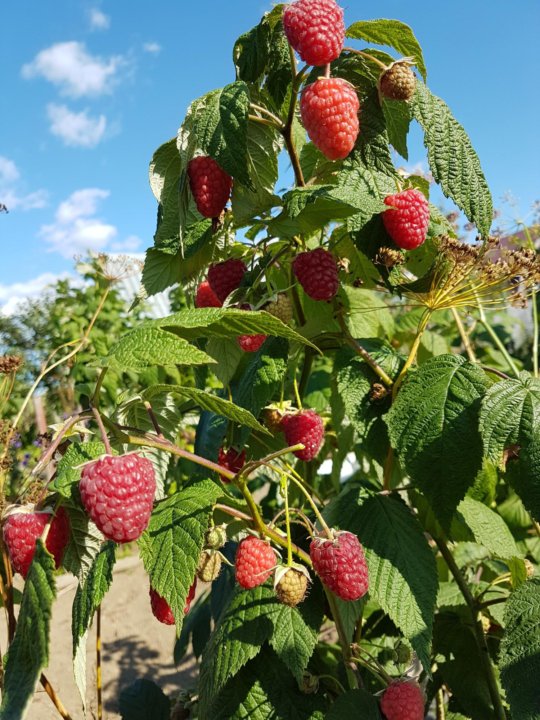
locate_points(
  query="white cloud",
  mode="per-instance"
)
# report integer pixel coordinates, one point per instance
(76, 128)
(11, 194)
(152, 47)
(12, 295)
(77, 73)
(129, 245)
(98, 20)
(8, 170)
(76, 229)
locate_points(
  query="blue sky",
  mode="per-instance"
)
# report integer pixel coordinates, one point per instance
(90, 89)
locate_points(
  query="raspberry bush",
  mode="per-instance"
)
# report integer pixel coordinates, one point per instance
(328, 455)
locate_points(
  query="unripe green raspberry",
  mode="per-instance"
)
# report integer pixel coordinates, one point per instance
(398, 82)
(215, 537)
(281, 308)
(209, 566)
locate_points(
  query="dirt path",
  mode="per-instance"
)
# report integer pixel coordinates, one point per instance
(135, 646)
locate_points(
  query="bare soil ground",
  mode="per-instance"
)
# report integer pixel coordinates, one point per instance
(135, 645)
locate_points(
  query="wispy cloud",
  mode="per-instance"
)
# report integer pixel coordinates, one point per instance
(11, 189)
(75, 71)
(77, 129)
(12, 295)
(76, 228)
(153, 48)
(129, 245)
(98, 19)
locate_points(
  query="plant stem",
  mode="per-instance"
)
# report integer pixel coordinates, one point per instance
(95, 397)
(477, 627)
(306, 371)
(285, 489)
(51, 692)
(413, 352)
(7, 592)
(350, 668)
(367, 56)
(287, 129)
(152, 415)
(276, 121)
(49, 368)
(441, 714)
(99, 688)
(264, 121)
(464, 337)
(531, 245)
(318, 515)
(102, 431)
(496, 339)
(359, 350)
(499, 373)
(252, 466)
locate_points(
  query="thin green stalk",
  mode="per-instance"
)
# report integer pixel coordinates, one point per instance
(285, 490)
(496, 339)
(477, 627)
(536, 330)
(413, 352)
(345, 645)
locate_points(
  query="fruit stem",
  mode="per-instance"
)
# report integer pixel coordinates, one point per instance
(306, 371)
(297, 393)
(99, 688)
(102, 431)
(264, 121)
(315, 509)
(367, 56)
(155, 422)
(95, 397)
(477, 627)
(285, 491)
(275, 120)
(252, 466)
(287, 129)
(327, 69)
(424, 320)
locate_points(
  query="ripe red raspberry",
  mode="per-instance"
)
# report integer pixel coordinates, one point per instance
(315, 29)
(224, 277)
(317, 273)
(22, 529)
(329, 109)
(398, 82)
(206, 297)
(341, 565)
(403, 700)
(251, 343)
(210, 185)
(118, 494)
(231, 459)
(304, 427)
(407, 221)
(254, 563)
(161, 608)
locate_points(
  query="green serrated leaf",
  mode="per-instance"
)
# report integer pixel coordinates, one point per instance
(398, 119)
(369, 184)
(489, 529)
(452, 159)
(392, 33)
(210, 402)
(68, 472)
(171, 545)
(509, 415)
(149, 345)
(29, 652)
(523, 473)
(353, 705)
(250, 53)
(220, 129)
(227, 353)
(226, 323)
(165, 172)
(144, 700)
(253, 618)
(279, 74)
(433, 427)
(84, 543)
(520, 651)
(402, 568)
(263, 146)
(88, 598)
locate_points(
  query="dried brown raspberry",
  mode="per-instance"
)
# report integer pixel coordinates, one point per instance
(291, 585)
(398, 82)
(209, 565)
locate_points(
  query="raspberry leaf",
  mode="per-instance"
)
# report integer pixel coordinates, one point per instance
(84, 543)
(520, 651)
(402, 569)
(433, 427)
(171, 545)
(144, 699)
(253, 618)
(353, 705)
(29, 651)
(452, 159)
(250, 53)
(523, 474)
(509, 415)
(265, 689)
(210, 402)
(392, 33)
(68, 472)
(398, 119)
(279, 74)
(488, 529)
(220, 129)
(148, 346)
(88, 598)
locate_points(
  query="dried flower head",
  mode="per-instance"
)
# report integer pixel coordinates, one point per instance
(10, 364)
(389, 257)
